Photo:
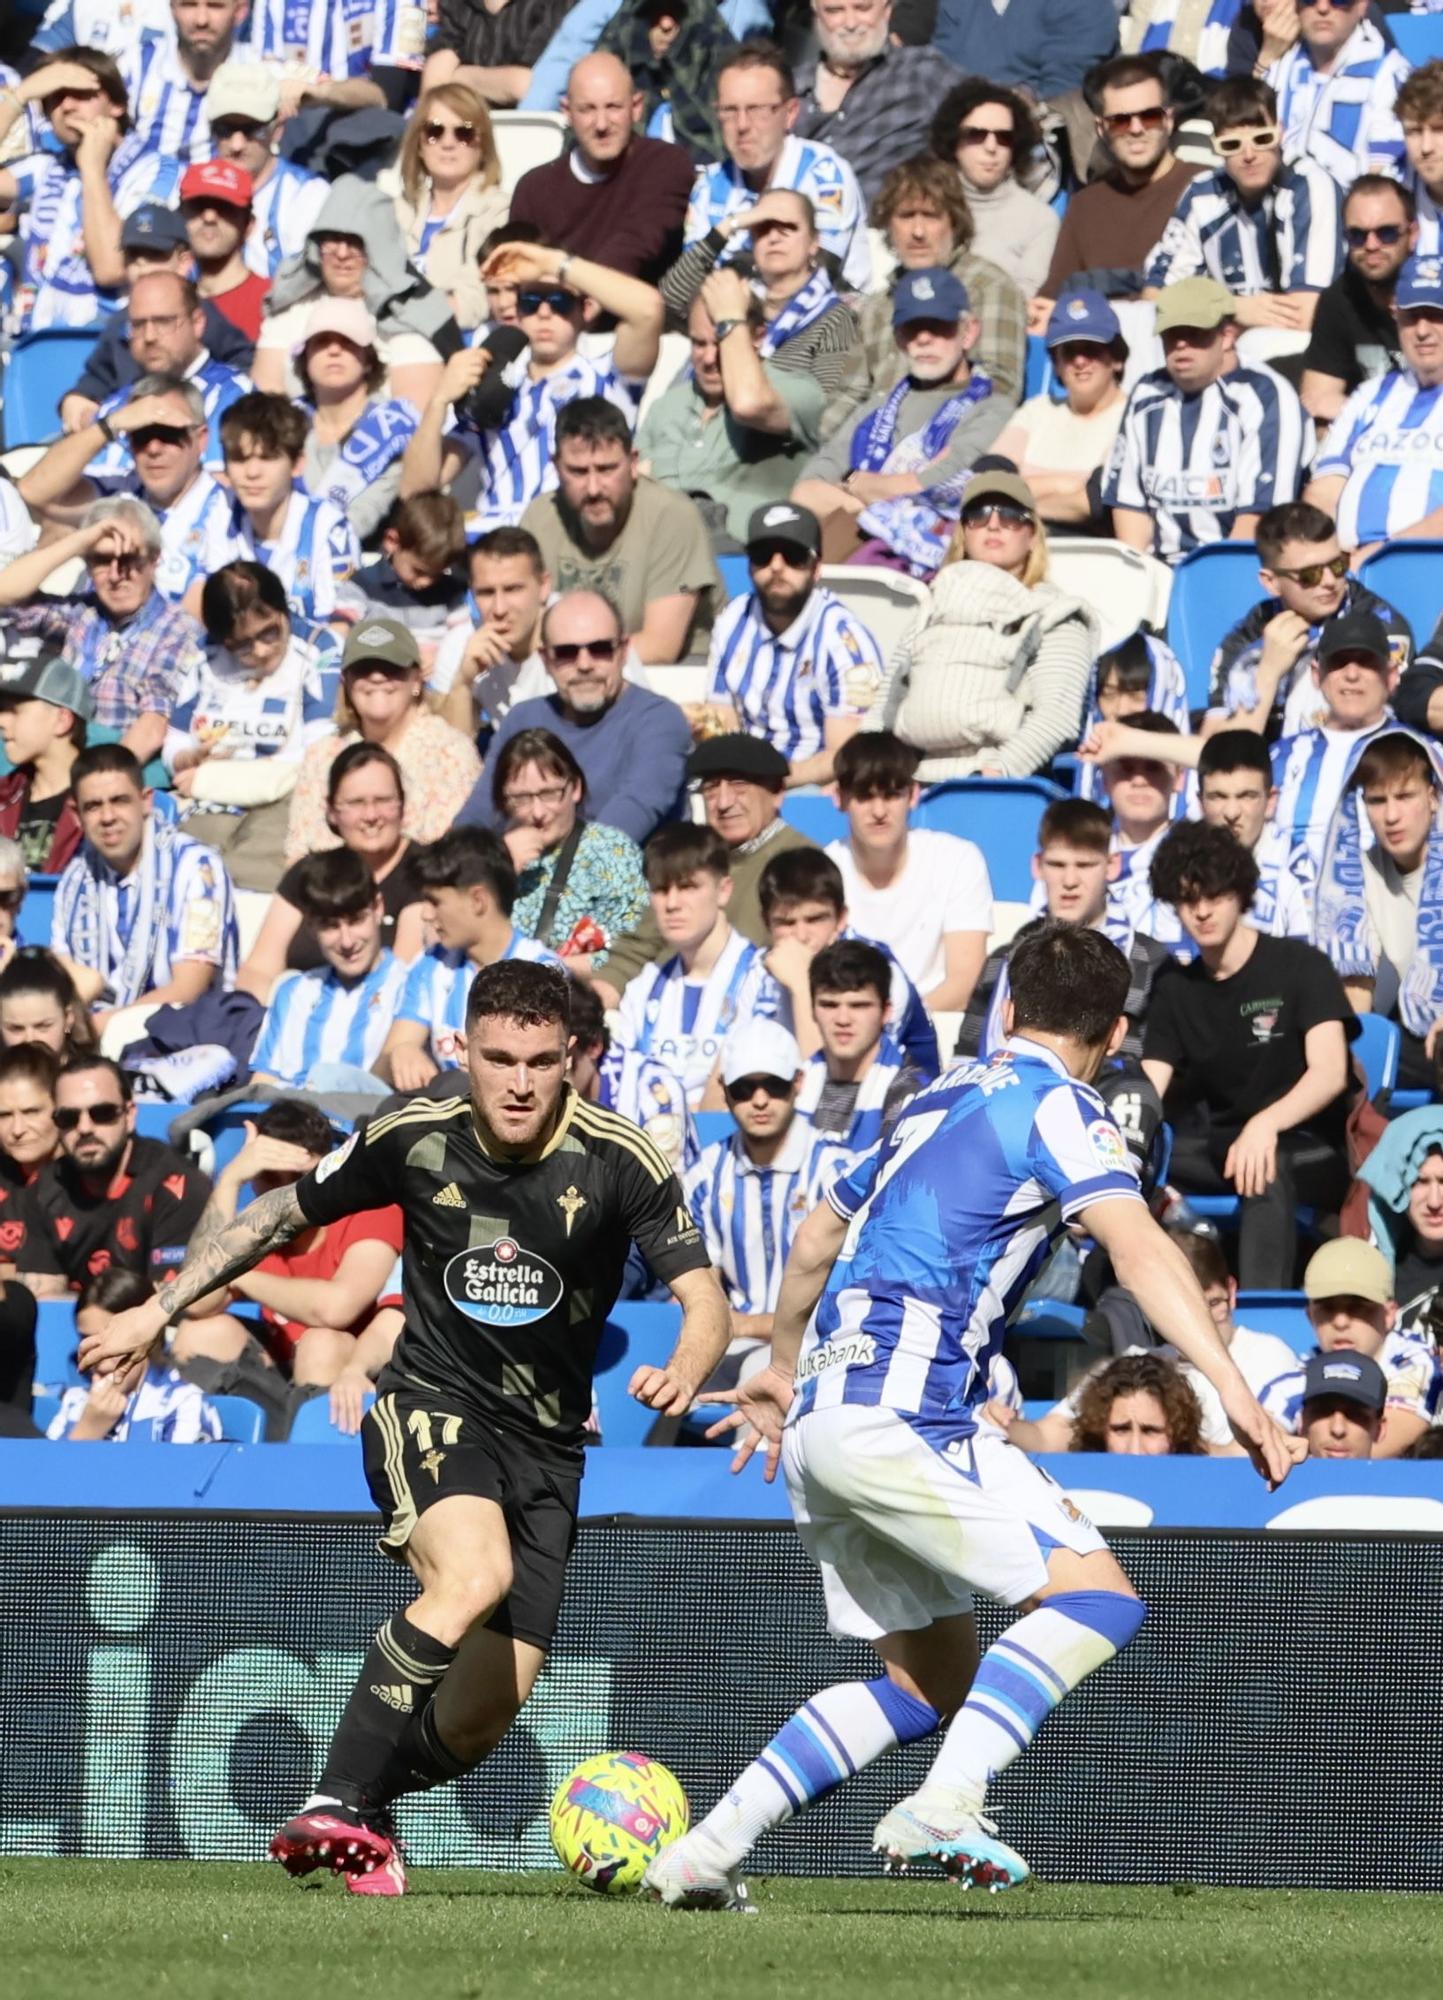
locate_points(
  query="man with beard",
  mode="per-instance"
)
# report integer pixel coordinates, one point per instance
(865, 96)
(1355, 336)
(168, 75)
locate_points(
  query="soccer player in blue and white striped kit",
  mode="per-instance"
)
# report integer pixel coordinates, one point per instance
(894, 1302)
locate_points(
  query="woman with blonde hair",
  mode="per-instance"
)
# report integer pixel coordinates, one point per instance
(450, 198)
(990, 681)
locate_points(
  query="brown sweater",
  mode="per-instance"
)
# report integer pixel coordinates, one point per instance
(1109, 227)
(632, 221)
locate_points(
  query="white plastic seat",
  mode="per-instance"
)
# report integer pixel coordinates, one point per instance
(683, 683)
(880, 246)
(1124, 587)
(674, 355)
(886, 601)
(527, 139)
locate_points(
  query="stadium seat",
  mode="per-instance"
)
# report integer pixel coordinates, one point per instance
(312, 1423)
(1000, 815)
(241, 1420)
(1038, 378)
(886, 601)
(32, 926)
(879, 248)
(1282, 1313)
(1377, 1046)
(713, 1125)
(43, 1412)
(674, 356)
(152, 1119)
(1049, 1319)
(637, 1333)
(55, 1340)
(1124, 587)
(526, 139)
(40, 369)
(735, 575)
(1419, 37)
(1409, 576)
(1211, 589)
(815, 815)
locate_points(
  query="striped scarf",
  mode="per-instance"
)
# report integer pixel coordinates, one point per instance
(917, 527)
(88, 911)
(803, 309)
(866, 1126)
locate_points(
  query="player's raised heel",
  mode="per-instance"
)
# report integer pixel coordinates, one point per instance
(388, 1877)
(326, 1834)
(684, 1877)
(963, 1845)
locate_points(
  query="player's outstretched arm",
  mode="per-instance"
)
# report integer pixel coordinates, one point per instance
(705, 1331)
(217, 1254)
(1160, 1278)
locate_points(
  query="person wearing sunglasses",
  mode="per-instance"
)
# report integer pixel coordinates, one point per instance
(1268, 229)
(1355, 335)
(990, 135)
(1062, 448)
(1337, 86)
(112, 1200)
(451, 196)
(1113, 224)
(243, 105)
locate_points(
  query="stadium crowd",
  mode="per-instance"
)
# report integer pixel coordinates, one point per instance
(425, 563)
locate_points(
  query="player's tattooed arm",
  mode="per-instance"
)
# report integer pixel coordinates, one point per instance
(220, 1251)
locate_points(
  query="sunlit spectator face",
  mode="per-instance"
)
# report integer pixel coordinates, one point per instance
(1356, 687)
(1137, 1426)
(601, 108)
(509, 593)
(261, 480)
(168, 452)
(850, 1024)
(1238, 800)
(1211, 920)
(1420, 335)
(1347, 1323)
(336, 367)
(260, 639)
(852, 32)
(878, 819)
(597, 479)
(1075, 879)
(584, 651)
(985, 146)
(1337, 1427)
(27, 1122)
(35, 1017)
(27, 728)
(215, 229)
(113, 810)
(366, 812)
(1114, 701)
(1136, 124)
(785, 245)
(782, 577)
(1139, 790)
(1251, 156)
(1400, 812)
(763, 1106)
(205, 27)
(245, 142)
(539, 797)
(1325, 27)
(69, 111)
(93, 1120)
(1310, 578)
(1379, 236)
(738, 808)
(122, 579)
(936, 349)
(814, 925)
(451, 146)
(921, 236)
(755, 114)
(687, 911)
(164, 338)
(343, 265)
(1425, 1203)
(1195, 356)
(501, 309)
(1088, 371)
(1423, 138)
(382, 696)
(998, 531)
(551, 317)
(351, 944)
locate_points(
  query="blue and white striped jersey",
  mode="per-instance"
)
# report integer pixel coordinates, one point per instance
(111, 26)
(653, 1098)
(1387, 442)
(950, 1220)
(320, 37)
(1212, 42)
(909, 1024)
(317, 1017)
(1287, 883)
(785, 686)
(1413, 1370)
(748, 1214)
(517, 461)
(219, 387)
(315, 551)
(814, 170)
(1195, 462)
(165, 1409)
(1430, 229)
(1308, 770)
(398, 34)
(283, 214)
(436, 989)
(864, 1127)
(682, 1021)
(166, 107)
(1345, 119)
(194, 532)
(1290, 241)
(237, 715)
(1131, 905)
(56, 273)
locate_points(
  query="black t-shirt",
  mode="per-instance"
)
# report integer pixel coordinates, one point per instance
(142, 1221)
(1237, 1045)
(398, 891)
(36, 830)
(509, 1270)
(1354, 338)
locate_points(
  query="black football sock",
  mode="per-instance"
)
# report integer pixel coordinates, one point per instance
(400, 1673)
(422, 1759)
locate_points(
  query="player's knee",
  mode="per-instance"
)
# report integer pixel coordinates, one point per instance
(473, 1590)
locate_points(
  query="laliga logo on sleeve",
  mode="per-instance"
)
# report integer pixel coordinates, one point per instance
(503, 1285)
(1108, 1147)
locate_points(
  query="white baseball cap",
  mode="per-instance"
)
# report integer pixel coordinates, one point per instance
(760, 1048)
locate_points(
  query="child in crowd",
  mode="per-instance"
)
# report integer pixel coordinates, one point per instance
(1140, 676)
(418, 578)
(163, 1409)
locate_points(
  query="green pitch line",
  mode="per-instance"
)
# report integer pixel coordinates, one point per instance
(145, 1930)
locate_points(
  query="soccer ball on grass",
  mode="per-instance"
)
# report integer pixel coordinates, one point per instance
(612, 1815)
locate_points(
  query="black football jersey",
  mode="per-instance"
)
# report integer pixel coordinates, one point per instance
(510, 1269)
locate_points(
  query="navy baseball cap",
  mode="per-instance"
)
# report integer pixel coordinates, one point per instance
(930, 294)
(1420, 283)
(1082, 315)
(1356, 1378)
(153, 228)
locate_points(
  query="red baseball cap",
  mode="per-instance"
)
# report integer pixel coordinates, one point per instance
(221, 180)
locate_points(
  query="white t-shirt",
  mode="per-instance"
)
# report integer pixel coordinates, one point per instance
(1261, 1357)
(1059, 440)
(943, 887)
(1391, 899)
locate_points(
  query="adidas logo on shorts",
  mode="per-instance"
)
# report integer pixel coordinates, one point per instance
(449, 1197)
(402, 1697)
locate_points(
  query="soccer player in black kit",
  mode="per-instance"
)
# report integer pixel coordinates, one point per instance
(521, 1203)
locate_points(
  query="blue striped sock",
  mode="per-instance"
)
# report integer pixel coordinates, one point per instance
(836, 1734)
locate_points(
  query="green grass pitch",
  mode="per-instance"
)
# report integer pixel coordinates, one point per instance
(146, 1930)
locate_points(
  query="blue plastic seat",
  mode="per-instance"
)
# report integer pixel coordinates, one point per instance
(1038, 378)
(152, 1119)
(41, 369)
(1050, 1319)
(241, 1420)
(32, 926)
(1282, 1313)
(312, 1424)
(1212, 588)
(1409, 575)
(1377, 1045)
(638, 1333)
(815, 815)
(55, 1343)
(736, 576)
(713, 1125)
(1419, 37)
(1000, 816)
(43, 1412)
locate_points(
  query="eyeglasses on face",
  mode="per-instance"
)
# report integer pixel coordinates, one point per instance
(746, 1087)
(980, 513)
(737, 114)
(465, 135)
(11, 899)
(68, 1116)
(1150, 119)
(172, 434)
(531, 299)
(544, 795)
(569, 651)
(978, 135)
(1386, 233)
(119, 565)
(1262, 139)
(1312, 574)
(235, 128)
(161, 322)
(389, 808)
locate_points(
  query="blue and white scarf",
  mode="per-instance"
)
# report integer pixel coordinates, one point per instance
(377, 438)
(915, 526)
(1342, 908)
(866, 1126)
(123, 928)
(1166, 695)
(803, 309)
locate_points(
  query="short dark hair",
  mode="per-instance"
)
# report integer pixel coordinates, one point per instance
(1383, 184)
(1080, 822)
(1390, 758)
(432, 528)
(1196, 860)
(30, 1062)
(274, 423)
(462, 858)
(512, 232)
(801, 875)
(229, 593)
(33, 969)
(500, 542)
(1128, 665)
(106, 71)
(849, 966)
(542, 747)
(591, 420)
(1068, 980)
(333, 884)
(1152, 723)
(757, 53)
(872, 761)
(520, 990)
(1240, 100)
(83, 1065)
(97, 758)
(965, 98)
(1205, 1254)
(1293, 521)
(115, 1290)
(926, 178)
(1234, 750)
(677, 852)
(299, 1123)
(1123, 73)
(588, 1018)
(355, 757)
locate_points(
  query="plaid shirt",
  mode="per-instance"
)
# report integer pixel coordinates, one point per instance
(142, 668)
(885, 115)
(876, 365)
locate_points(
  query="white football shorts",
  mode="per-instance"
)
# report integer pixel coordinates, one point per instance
(903, 1533)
